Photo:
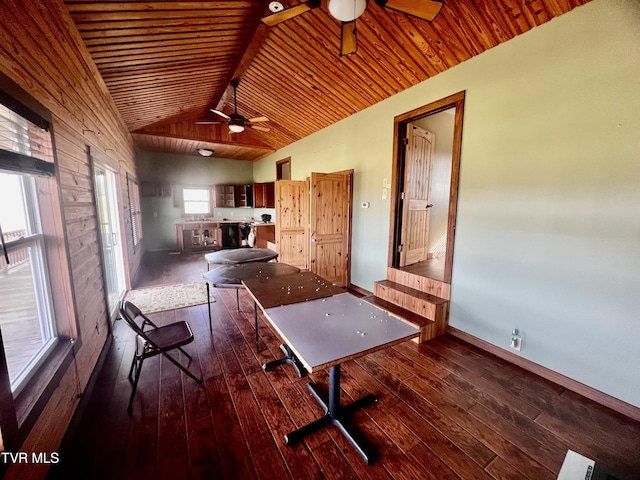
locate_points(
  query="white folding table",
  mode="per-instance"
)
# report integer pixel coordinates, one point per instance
(325, 332)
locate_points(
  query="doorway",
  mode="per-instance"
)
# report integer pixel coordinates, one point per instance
(427, 148)
(106, 197)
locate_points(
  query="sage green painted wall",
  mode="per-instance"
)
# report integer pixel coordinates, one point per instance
(159, 214)
(548, 236)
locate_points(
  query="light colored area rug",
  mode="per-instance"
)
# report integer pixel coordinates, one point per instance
(169, 297)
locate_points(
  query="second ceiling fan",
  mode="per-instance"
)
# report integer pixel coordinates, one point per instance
(236, 122)
(347, 11)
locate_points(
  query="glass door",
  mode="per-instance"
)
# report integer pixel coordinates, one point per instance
(112, 254)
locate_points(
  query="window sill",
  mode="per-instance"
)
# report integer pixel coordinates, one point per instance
(34, 396)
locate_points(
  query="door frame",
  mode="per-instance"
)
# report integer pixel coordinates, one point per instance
(397, 181)
(97, 160)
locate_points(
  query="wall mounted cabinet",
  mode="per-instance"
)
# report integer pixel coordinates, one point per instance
(243, 195)
(264, 195)
(153, 189)
(224, 196)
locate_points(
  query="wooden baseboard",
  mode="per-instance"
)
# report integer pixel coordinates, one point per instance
(359, 291)
(602, 398)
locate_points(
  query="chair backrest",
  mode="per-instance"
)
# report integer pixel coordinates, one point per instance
(130, 313)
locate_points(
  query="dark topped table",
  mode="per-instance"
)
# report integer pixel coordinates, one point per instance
(324, 332)
(240, 255)
(288, 289)
(232, 275)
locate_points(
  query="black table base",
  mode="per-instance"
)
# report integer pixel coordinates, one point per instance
(335, 415)
(290, 359)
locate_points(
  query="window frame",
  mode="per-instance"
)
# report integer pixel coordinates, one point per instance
(135, 210)
(19, 414)
(34, 239)
(208, 188)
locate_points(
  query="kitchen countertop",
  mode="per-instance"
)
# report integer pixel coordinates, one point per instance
(184, 221)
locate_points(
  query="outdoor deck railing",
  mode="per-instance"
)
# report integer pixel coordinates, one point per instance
(17, 257)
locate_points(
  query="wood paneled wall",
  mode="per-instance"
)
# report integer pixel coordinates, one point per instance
(42, 52)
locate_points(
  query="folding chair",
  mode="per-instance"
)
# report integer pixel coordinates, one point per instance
(154, 341)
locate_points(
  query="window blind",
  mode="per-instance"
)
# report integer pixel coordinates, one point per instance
(24, 147)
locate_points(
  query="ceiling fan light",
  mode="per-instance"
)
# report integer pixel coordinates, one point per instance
(205, 152)
(347, 10)
(236, 128)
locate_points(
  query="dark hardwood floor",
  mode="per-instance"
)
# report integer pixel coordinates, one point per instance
(445, 410)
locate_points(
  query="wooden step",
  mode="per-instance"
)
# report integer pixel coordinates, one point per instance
(430, 307)
(409, 298)
(428, 328)
(403, 314)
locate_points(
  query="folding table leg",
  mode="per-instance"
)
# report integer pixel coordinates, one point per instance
(289, 358)
(335, 415)
(209, 305)
(255, 317)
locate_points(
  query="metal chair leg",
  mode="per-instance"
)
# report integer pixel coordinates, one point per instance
(177, 364)
(135, 384)
(185, 353)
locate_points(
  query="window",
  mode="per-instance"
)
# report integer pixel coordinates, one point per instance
(196, 201)
(36, 316)
(134, 208)
(26, 318)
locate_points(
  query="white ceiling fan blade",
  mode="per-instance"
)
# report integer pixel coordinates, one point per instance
(218, 112)
(257, 127)
(258, 119)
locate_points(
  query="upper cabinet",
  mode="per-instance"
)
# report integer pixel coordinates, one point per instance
(224, 196)
(258, 195)
(153, 189)
(264, 195)
(243, 195)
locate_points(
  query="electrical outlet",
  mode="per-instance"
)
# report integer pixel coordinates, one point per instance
(516, 340)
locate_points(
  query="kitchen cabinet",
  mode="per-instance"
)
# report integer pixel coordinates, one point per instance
(224, 196)
(198, 236)
(243, 195)
(152, 189)
(265, 233)
(264, 195)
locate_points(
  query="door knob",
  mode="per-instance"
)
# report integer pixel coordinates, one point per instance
(429, 206)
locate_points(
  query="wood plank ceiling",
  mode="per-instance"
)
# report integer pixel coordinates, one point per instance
(167, 62)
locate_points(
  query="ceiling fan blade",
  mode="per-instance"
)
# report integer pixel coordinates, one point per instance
(209, 123)
(258, 127)
(218, 112)
(425, 9)
(290, 12)
(349, 38)
(258, 119)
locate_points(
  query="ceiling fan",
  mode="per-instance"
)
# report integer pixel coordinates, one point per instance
(347, 11)
(236, 122)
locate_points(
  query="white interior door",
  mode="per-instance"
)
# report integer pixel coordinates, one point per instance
(417, 193)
